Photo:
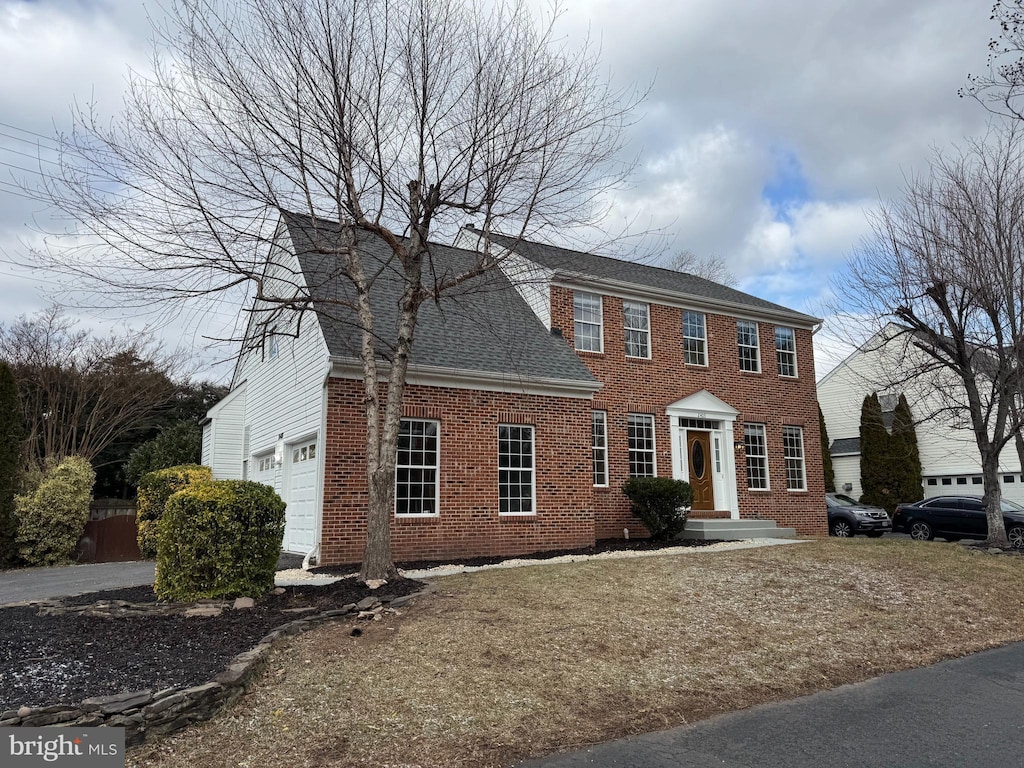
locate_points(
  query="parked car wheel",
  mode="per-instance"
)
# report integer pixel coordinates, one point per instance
(921, 531)
(1016, 536)
(841, 528)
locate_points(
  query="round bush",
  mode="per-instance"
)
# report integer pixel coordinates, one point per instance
(661, 503)
(155, 488)
(52, 515)
(219, 539)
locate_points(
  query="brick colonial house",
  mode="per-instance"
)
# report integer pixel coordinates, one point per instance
(532, 396)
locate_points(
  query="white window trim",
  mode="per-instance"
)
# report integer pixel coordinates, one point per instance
(437, 477)
(646, 331)
(756, 346)
(796, 367)
(654, 443)
(604, 419)
(802, 458)
(764, 456)
(599, 323)
(533, 471)
(703, 341)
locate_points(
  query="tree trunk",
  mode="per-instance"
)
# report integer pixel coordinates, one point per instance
(993, 497)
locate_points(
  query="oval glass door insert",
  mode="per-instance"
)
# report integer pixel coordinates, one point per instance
(698, 460)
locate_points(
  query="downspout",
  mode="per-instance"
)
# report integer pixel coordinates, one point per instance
(314, 554)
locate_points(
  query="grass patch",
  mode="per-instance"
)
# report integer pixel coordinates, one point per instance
(506, 664)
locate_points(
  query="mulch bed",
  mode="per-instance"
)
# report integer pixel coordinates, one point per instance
(603, 545)
(67, 658)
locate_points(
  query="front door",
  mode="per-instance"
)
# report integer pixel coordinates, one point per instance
(698, 456)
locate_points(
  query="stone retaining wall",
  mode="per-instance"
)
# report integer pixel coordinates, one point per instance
(151, 713)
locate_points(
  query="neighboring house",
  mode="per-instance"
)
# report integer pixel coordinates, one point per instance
(527, 409)
(950, 464)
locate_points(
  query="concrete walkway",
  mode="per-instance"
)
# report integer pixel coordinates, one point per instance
(967, 713)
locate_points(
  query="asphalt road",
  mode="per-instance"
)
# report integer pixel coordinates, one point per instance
(962, 713)
(40, 583)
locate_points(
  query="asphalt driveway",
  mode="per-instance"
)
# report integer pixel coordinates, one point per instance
(967, 713)
(40, 583)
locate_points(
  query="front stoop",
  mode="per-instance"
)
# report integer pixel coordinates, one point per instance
(731, 530)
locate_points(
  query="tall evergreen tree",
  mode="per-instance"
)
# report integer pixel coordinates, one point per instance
(905, 458)
(12, 432)
(826, 456)
(875, 474)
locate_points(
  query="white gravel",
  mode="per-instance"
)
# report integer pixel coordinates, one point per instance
(299, 576)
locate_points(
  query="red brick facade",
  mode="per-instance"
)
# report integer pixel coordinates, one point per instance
(468, 523)
(571, 512)
(648, 386)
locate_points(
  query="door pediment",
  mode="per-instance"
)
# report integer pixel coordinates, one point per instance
(703, 402)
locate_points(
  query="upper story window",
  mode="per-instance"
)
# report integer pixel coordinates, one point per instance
(641, 445)
(515, 470)
(785, 351)
(749, 348)
(793, 449)
(694, 338)
(599, 446)
(637, 323)
(586, 310)
(417, 469)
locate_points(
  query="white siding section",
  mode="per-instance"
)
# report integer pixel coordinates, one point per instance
(947, 448)
(847, 470)
(531, 281)
(222, 437)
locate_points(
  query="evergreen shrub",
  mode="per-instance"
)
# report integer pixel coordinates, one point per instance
(661, 503)
(155, 488)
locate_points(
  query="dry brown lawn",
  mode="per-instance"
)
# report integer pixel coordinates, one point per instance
(505, 664)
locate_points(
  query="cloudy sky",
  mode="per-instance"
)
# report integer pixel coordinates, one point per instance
(770, 129)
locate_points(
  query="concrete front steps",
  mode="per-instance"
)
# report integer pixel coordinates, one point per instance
(731, 530)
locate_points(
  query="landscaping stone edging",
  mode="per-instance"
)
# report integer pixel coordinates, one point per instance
(153, 713)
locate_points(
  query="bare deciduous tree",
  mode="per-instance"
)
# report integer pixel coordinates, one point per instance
(399, 118)
(946, 263)
(81, 393)
(711, 268)
(1001, 89)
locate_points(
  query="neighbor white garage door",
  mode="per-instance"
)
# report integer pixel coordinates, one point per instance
(300, 515)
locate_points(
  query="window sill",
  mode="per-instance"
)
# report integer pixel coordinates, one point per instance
(759, 490)
(512, 516)
(589, 353)
(751, 373)
(417, 518)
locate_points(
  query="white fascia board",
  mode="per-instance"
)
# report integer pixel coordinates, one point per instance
(647, 294)
(435, 376)
(225, 401)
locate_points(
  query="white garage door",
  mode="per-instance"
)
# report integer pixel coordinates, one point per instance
(300, 521)
(264, 470)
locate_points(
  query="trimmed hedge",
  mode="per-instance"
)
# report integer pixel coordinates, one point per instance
(52, 515)
(155, 489)
(661, 503)
(219, 539)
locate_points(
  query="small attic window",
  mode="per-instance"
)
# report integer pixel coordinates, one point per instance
(273, 349)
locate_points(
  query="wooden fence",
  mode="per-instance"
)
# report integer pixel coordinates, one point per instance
(111, 535)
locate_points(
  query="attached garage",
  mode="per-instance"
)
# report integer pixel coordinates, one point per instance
(300, 495)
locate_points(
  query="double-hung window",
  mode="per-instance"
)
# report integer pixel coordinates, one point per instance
(785, 351)
(757, 457)
(637, 323)
(694, 338)
(749, 348)
(641, 445)
(599, 449)
(793, 450)
(587, 314)
(417, 470)
(515, 470)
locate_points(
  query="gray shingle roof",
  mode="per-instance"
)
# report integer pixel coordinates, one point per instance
(606, 268)
(845, 445)
(485, 326)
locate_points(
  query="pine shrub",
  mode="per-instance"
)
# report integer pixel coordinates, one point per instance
(155, 489)
(661, 503)
(51, 516)
(219, 539)
(826, 455)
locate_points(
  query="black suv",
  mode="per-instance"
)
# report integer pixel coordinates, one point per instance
(847, 517)
(956, 517)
